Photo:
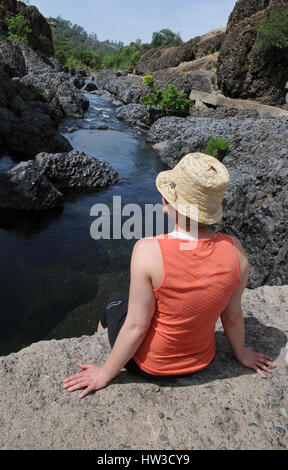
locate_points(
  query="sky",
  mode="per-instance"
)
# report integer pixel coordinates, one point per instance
(128, 20)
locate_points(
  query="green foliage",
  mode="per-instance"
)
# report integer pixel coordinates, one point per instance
(65, 31)
(153, 98)
(127, 58)
(174, 102)
(217, 147)
(149, 80)
(76, 57)
(165, 37)
(18, 28)
(273, 31)
(171, 101)
(75, 47)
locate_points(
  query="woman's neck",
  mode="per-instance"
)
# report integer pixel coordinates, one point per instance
(195, 230)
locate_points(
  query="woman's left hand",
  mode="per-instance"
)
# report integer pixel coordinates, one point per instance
(92, 377)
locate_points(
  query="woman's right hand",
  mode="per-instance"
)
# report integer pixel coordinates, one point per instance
(256, 361)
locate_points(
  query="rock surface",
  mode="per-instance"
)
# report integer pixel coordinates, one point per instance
(35, 94)
(41, 37)
(76, 170)
(128, 89)
(138, 114)
(243, 71)
(37, 185)
(162, 58)
(225, 406)
(255, 205)
(24, 187)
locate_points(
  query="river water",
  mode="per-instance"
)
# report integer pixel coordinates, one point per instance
(54, 277)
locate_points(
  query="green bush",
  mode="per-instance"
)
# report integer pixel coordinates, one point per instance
(174, 102)
(18, 28)
(217, 148)
(273, 31)
(171, 101)
(148, 80)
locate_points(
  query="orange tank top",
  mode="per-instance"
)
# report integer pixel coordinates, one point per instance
(196, 287)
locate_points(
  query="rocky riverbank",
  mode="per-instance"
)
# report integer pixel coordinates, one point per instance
(255, 205)
(223, 407)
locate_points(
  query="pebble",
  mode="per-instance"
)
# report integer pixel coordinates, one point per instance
(257, 415)
(284, 412)
(161, 415)
(39, 404)
(235, 427)
(279, 392)
(280, 431)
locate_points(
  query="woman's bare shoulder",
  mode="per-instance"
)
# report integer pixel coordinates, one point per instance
(146, 245)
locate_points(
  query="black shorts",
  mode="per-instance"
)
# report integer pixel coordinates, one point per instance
(113, 318)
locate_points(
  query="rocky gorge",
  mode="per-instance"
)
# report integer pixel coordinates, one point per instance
(225, 406)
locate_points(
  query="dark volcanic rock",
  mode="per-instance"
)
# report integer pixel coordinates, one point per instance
(76, 170)
(34, 131)
(56, 88)
(244, 9)
(90, 86)
(138, 114)
(200, 80)
(210, 45)
(27, 127)
(243, 71)
(25, 188)
(78, 81)
(41, 37)
(128, 89)
(255, 206)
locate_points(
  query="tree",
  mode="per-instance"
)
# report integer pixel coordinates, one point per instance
(165, 37)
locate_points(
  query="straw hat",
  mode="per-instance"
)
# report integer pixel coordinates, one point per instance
(196, 187)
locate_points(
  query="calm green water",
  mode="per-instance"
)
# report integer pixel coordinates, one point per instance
(54, 277)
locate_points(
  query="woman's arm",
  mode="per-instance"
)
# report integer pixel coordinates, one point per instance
(141, 308)
(233, 322)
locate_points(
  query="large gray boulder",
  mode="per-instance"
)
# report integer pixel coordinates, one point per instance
(25, 188)
(225, 406)
(255, 205)
(38, 184)
(139, 115)
(128, 89)
(75, 170)
(200, 80)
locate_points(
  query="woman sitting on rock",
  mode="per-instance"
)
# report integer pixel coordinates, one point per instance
(180, 285)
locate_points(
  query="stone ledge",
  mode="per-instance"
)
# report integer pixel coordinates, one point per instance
(216, 99)
(225, 406)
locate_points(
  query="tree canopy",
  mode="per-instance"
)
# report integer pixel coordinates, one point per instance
(75, 47)
(166, 37)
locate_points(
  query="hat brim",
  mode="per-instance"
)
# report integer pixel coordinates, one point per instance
(188, 210)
